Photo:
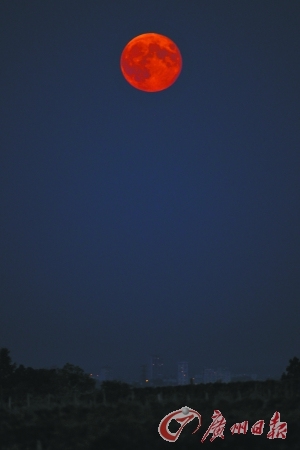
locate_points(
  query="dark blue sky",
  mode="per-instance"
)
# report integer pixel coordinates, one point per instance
(135, 223)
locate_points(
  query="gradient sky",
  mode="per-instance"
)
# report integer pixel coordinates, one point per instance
(137, 223)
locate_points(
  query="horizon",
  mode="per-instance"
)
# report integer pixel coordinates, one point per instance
(260, 376)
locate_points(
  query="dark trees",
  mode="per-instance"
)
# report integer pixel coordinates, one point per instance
(73, 378)
(23, 380)
(115, 390)
(292, 371)
(7, 370)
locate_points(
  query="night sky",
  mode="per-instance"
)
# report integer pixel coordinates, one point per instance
(136, 223)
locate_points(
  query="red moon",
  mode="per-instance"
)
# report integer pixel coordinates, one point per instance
(151, 62)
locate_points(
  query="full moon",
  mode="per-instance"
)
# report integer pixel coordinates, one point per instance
(151, 62)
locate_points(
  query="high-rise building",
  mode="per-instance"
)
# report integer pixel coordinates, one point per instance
(156, 370)
(183, 372)
(222, 374)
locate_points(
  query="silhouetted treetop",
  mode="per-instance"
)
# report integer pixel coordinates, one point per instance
(74, 378)
(6, 366)
(292, 370)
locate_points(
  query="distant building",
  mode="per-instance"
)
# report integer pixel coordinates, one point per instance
(244, 377)
(198, 379)
(209, 375)
(183, 373)
(223, 375)
(156, 370)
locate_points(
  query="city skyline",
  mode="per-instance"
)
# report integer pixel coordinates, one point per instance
(153, 373)
(204, 374)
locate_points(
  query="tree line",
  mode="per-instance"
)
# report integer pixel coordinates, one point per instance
(21, 380)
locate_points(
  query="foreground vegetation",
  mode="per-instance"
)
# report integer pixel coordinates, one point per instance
(70, 413)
